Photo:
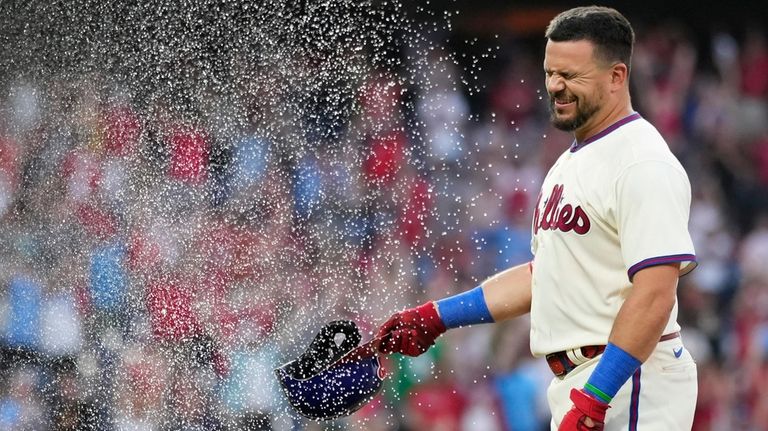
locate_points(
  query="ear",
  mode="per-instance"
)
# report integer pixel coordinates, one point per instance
(619, 75)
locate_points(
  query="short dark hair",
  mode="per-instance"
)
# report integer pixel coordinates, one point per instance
(605, 27)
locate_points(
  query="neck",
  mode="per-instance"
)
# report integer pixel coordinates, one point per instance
(601, 120)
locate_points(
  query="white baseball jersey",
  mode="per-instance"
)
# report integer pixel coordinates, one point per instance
(610, 206)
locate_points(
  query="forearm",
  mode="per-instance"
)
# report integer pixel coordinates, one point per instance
(645, 312)
(636, 330)
(508, 293)
(503, 296)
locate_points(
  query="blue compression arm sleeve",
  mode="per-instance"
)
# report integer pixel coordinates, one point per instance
(614, 369)
(464, 309)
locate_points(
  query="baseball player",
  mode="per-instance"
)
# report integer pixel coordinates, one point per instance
(610, 241)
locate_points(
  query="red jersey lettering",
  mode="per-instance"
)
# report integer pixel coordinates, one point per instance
(554, 217)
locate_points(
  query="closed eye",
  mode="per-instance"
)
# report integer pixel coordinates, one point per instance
(564, 75)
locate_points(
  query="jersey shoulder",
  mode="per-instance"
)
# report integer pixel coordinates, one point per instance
(643, 142)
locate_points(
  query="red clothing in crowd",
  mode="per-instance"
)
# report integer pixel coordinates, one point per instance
(97, 221)
(761, 159)
(437, 406)
(143, 253)
(385, 158)
(9, 157)
(170, 307)
(235, 249)
(416, 211)
(754, 65)
(122, 131)
(189, 149)
(514, 100)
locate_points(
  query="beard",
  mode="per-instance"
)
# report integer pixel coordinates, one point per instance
(585, 109)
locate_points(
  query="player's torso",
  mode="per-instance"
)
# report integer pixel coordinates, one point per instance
(579, 275)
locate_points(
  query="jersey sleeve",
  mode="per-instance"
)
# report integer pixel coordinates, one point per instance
(653, 206)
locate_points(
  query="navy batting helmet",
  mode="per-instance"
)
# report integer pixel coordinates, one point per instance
(335, 376)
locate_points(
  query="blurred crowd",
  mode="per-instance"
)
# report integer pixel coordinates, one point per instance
(159, 262)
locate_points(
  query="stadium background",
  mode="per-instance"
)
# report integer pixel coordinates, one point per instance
(188, 190)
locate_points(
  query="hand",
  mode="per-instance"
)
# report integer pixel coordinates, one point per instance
(412, 331)
(586, 414)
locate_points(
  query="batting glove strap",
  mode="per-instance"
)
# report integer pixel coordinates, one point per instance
(584, 406)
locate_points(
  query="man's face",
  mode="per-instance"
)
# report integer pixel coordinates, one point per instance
(576, 83)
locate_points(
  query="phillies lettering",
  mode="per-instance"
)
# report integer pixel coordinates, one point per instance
(554, 217)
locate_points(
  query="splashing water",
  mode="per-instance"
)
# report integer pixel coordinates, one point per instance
(190, 189)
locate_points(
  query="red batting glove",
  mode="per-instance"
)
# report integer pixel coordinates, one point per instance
(412, 331)
(584, 406)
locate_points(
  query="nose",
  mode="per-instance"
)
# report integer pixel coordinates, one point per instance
(555, 84)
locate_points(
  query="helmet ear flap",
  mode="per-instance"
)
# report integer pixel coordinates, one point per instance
(334, 340)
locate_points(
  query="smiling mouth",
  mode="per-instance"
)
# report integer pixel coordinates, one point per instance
(562, 102)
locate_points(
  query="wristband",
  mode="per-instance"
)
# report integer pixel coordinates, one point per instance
(464, 309)
(614, 369)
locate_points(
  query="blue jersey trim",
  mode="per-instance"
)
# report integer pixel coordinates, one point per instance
(576, 146)
(661, 260)
(634, 405)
